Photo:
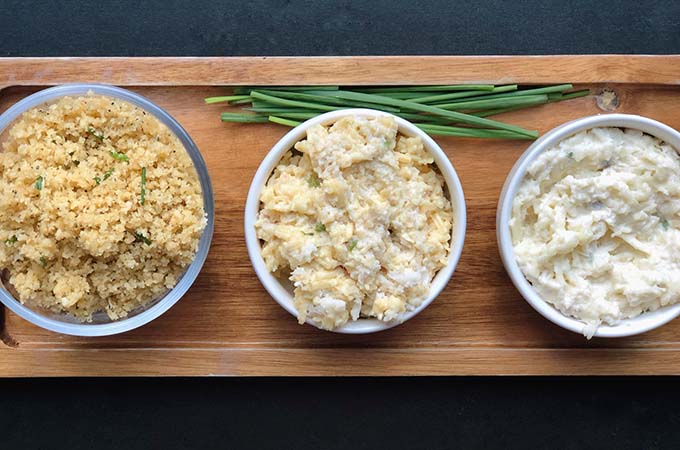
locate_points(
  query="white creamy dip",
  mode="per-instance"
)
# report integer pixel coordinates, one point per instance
(358, 220)
(594, 225)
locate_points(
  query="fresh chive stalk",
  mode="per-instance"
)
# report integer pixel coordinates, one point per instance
(495, 103)
(453, 115)
(242, 118)
(281, 121)
(39, 182)
(442, 130)
(11, 240)
(453, 87)
(454, 95)
(226, 98)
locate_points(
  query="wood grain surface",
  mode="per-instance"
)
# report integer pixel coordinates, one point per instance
(228, 325)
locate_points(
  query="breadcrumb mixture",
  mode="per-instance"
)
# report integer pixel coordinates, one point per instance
(100, 207)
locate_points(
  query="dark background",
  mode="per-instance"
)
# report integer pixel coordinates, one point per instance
(299, 413)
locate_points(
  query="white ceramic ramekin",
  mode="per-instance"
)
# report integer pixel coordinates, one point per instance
(628, 327)
(283, 293)
(102, 325)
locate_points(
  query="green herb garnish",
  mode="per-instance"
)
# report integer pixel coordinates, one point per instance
(143, 193)
(119, 156)
(107, 174)
(570, 155)
(452, 110)
(139, 237)
(320, 227)
(11, 240)
(313, 181)
(664, 223)
(39, 183)
(352, 244)
(43, 261)
(96, 134)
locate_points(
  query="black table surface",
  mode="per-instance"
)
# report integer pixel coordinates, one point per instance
(348, 413)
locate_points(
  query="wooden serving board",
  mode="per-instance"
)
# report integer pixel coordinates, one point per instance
(228, 325)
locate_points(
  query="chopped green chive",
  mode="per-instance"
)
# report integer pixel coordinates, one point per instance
(43, 261)
(139, 237)
(664, 223)
(352, 244)
(143, 193)
(11, 240)
(96, 134)
(570, 155)
(119, 156)
(313, 181)
(320, 227)
(107, 174)
(39, 183)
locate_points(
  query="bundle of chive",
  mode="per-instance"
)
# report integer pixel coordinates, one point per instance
(455, 110)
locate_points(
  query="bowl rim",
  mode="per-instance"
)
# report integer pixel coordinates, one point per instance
(171, 297)
(272, 284)
(627, 327)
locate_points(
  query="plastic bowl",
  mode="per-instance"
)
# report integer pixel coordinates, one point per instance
(627, 327)
(101, 324)
(282, 291)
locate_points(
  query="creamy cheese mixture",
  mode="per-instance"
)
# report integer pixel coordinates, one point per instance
(358, 219)
(594, 225)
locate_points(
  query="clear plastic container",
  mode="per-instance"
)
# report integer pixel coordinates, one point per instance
(101, 324)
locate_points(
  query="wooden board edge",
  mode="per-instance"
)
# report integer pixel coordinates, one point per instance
(348, 70)
(340, 362)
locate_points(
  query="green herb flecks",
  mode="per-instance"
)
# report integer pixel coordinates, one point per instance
(106, 176)
(313, 181)
(39, 183)
(11, 240)
(352, 244)
(43, 261)
(95, 134)
(320, 228)
(143, 192)
(139, 237)
(664, 223)
(119, 156)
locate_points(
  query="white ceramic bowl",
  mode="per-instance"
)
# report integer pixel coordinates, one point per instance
(282, 292)
(628, 327)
